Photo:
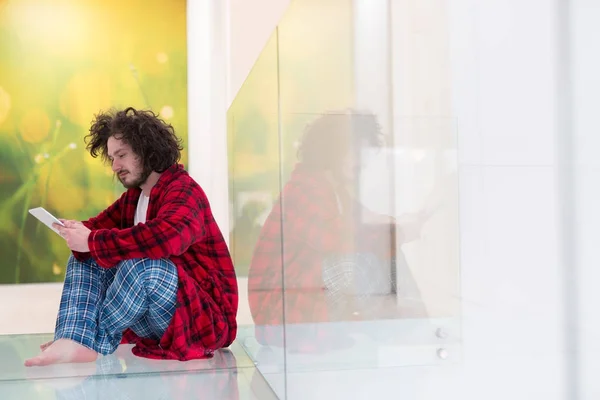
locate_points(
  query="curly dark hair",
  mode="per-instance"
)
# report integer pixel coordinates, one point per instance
(329, 137)
(151, 139)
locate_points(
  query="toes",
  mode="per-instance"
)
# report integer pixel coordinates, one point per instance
(46, 345)
(41, 360)
(32, 362)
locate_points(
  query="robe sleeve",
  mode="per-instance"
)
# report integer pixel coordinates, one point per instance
(178, 224)
(107, 219)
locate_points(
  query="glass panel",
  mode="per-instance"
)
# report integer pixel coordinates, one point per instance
(344, 196)
(254, 181)
(369, 198)
(370, 242)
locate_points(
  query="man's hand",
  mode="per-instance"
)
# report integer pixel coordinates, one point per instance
(75, 234)
(69, 221)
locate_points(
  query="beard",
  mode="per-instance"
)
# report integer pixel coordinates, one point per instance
(137, 181)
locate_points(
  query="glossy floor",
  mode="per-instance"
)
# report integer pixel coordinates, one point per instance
(247, 370)
(382, 359)
(230, 374)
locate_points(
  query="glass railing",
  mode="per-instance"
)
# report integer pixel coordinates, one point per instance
(345, 211)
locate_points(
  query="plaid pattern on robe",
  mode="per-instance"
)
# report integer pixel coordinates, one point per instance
(179, 226)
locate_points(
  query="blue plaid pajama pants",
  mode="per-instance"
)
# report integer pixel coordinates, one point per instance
(98, 304)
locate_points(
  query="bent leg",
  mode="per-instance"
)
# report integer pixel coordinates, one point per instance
(85, 289)
(76, 324)
(97, 305)
(142, 297)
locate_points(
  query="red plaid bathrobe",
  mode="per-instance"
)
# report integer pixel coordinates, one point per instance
(180, 226)
(309, 229)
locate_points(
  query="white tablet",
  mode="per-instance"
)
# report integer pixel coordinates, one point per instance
(47, 218)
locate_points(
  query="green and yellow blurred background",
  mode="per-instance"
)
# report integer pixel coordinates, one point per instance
(61, 62)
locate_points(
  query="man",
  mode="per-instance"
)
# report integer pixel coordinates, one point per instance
(153, 268)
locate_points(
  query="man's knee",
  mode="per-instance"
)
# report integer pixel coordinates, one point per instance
(147, 269)
(142, 264)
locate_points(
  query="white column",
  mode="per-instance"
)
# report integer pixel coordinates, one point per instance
(372, 59)
(207, 106)
(582, 132)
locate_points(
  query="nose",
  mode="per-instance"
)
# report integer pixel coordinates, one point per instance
(115, 166)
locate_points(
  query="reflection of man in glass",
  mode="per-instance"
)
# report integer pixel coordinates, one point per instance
(334, 253)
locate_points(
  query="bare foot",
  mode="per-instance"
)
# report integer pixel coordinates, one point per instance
(63, 351)
(46, 345)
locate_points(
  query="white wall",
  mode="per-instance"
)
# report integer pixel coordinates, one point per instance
(492, 67)
(504, 57)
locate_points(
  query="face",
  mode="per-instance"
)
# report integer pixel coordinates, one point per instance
(125, 163)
